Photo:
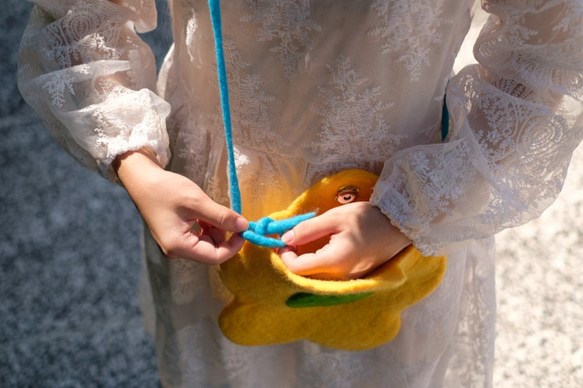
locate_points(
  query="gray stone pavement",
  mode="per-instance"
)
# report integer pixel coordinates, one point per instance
(70, 263)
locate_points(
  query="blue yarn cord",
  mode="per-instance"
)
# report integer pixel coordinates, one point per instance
(266, 226)
(215, 12)
(444, 117)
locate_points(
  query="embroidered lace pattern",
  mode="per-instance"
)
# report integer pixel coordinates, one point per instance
(85, 34)
(287, 23)
(410, 29)
(349, 107)
(250, 120)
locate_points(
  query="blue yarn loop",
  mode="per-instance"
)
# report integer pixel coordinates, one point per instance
(258, 231)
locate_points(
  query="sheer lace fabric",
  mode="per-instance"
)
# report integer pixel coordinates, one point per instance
(308, 99)
(83, 63)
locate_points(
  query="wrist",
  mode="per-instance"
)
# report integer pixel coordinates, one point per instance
(133, 167)
(399, 239)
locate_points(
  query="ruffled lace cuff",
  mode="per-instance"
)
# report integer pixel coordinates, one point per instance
(106, 131)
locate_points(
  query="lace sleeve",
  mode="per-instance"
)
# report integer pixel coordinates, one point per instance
(91, 79)
(516, 121)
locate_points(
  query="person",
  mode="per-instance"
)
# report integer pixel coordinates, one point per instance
(317, 87)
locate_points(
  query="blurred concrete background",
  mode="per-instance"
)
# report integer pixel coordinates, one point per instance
(69, 253)
(70, 263)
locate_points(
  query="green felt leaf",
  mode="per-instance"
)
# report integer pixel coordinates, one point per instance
(305, 299)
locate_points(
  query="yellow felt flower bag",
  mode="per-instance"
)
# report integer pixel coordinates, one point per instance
(271, 305)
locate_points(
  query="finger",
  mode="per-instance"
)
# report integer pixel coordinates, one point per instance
(296, 264)
(229, 248)
(324, 263)
(304, 266)
(204, 249)
(311, 230)
(217, 235)
(287, 254)
(207, 210)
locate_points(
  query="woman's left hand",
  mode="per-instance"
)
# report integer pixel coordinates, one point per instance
(361, 239)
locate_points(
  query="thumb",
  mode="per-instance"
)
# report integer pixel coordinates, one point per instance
(220, 216)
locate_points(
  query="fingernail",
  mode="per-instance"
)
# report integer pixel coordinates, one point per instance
(288, 236)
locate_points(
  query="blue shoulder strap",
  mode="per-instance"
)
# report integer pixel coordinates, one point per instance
(258, 231)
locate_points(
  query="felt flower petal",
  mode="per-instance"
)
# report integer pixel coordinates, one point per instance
(342, 317)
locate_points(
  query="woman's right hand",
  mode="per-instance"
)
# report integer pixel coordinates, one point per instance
(174, 207)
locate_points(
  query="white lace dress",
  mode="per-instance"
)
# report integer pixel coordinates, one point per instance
(319, 86)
